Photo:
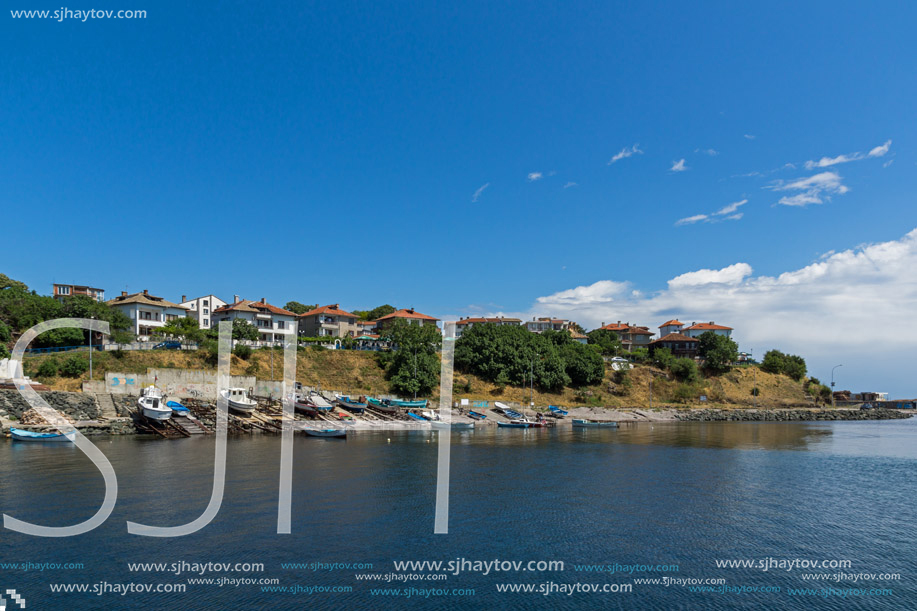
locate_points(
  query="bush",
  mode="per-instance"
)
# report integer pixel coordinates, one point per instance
(243, 352)
(4, 352)
(49, 368)
(684, 370)
(788, 364)
(74, 366)
(662, 358)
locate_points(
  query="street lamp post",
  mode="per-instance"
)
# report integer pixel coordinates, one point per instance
(832, 383)
(532, 382)
(90, 351)
(415, 373)
(651, 393)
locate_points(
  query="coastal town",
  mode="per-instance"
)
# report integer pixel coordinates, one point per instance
(681, 359)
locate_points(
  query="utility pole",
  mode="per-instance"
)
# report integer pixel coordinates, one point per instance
(532, 382)
(755, 394)
(90, 351)
(415, 373)
(651, 393)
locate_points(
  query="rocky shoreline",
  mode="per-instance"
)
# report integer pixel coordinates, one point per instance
(789, 415)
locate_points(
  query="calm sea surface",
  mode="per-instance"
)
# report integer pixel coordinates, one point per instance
(683, 494)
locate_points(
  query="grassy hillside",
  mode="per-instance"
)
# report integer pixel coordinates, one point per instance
(360, 372)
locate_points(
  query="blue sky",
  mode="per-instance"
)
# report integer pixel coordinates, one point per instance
(331, 153)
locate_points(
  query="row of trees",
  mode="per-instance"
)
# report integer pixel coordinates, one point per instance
(791, 365)
(513, 355)
(21, 309)
(373, 314)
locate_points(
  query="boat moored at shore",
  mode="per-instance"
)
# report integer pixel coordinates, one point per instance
(239, 400)
(152, 405)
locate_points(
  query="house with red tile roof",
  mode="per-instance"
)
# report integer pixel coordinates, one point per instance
(670, 326)
(147, 312)
(328, 321)
(631, 336)
(408, 315)
(272, 322)
(698, 328)
(678, 344)
(466, 323)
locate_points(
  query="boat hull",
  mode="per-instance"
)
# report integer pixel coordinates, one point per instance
(242, 408)
(157, 413)
(521, 425)
(455, 426)
(327, 433)
(588, 424)
(353, 408)
(305, 408)
(31, 436)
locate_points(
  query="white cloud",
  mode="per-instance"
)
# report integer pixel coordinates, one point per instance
(690, 220)
(678, 166)
(571, 184)
(477, 194)
(625, 153)
(888, 163)
(826, 162)
(854, 307)
(711, 152)
(879, 151)
(813, 189)
(723, 214)
(732, 207)
(733, 274)
(533, 176)
(749, 137)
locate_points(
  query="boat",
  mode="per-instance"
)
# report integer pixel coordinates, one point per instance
(24, 435)
(513, 414)
(325, 432)
(354, 407)
(383, 405)
(455, 426)
(152, 405)
(318, 401)
(411, 404)
(557, 412)
(416, 417)
(239, 400)
(582, 423)
(178, 409)
(344, 416)
(477, 416)
(521, 423)
(304, 406)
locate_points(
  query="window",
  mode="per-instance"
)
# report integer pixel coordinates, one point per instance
(280, 324)
(206, 311)
(63, 290)
(206, 303)
(206, 323)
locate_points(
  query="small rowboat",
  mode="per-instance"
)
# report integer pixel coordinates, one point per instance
(383, 405)
(325, 432)
(557, 412)
(411, 404)
(354, 407)
(477, 416)
(580, 423)
(178, 409)
(344, 416)
(416, 417)
(23, 435)
(304, 406)
(521, 424)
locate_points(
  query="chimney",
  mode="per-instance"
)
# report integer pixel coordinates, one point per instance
(235, 299)
(603, 324)
(711, 322)
(410, 310)
(262, 300)
(124, 293)
(184, 298)
(146, 292)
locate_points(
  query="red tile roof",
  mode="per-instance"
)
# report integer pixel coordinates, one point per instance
(406, 313)
(253, 306)
(467, 321)
(627, 328)
(672, 322)
(708, 326)
(675, 337)
(328, 309)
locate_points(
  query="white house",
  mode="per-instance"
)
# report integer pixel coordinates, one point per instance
(272, 322)
(201, 308)
(147, 312)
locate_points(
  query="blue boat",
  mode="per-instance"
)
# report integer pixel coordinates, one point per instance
(476, 415)
(325, 432)
(178, 409)
(416, 417)
(24, 435)
(354, 407)
(383, 405)
(521, 423)
(557, 412)
(513, 414)
(411, 404)
(581, 423)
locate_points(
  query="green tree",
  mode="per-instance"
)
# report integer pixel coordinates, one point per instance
(243, 352)
(413, 366)
(4, 352)
(607, 341)
(376, 313)
(795, 367)
(74, 366)
(298, 308)
(719, 352)
(6, 334)
(684, 370)
(49, 368)
(662, 358)
(774, 362)
(244, 330)
(184, 327)
(583, 365)
(7, 282)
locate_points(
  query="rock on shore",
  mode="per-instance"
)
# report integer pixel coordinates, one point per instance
(788, 415)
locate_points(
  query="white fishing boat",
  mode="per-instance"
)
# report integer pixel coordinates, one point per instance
(239, 400)
(152, 405)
